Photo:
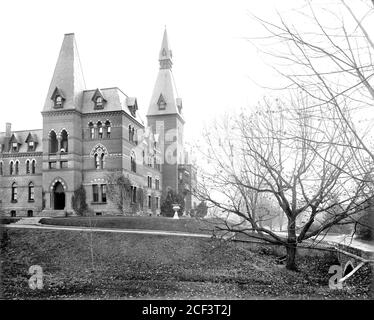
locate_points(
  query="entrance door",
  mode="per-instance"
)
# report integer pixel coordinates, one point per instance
(58, 196)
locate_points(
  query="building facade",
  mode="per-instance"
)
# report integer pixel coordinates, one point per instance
(88, 135)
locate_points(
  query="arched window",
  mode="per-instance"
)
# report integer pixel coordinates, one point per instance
(33, 167)
(17, 167)
(133, 134)
(31, 192)
(14, 192)
(1, 169)
(99, 101)
(11, 168)
(92, 130)
(27, 166)
(108, 129)
(53, 143)
(102, 161)
(98, 161)
(130, 136)
(64, 141)
(100, 129)
(133, 162)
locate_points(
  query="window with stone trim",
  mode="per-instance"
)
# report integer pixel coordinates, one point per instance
(31, 192)
(53, 142)
(108, 128)
(11, 168)
(100, 129)
(33, 166)
(95, 193)
(27, 166)
(14, 195)
(133, 162)
(64, 141)
(92, 130)
(16, 167)
(1, 168)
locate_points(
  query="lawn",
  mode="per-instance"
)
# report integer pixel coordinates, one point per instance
(149, 223)
(127, 266)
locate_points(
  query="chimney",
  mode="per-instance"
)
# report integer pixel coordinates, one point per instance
(8, 129)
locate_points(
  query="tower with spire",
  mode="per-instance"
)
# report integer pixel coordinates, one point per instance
(62, 129)
(165, 118)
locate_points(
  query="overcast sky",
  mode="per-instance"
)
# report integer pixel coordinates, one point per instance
(119, 43)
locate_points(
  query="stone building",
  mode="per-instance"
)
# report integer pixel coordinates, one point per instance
(86, 135)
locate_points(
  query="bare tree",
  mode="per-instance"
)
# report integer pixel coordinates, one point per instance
(293, 155)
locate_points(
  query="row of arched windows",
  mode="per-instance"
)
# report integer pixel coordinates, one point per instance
(100, 130)
(14, 167)
(58, 143)
(31, 192)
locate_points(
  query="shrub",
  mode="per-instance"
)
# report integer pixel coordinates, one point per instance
(78, 201)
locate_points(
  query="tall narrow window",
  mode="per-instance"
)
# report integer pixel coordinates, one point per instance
(14, 192)
(133, 163)
(149, 202)
(31, 192)
(95, 192)
(97, 161)
(133, 195)
(1, 168)
(17, 168)
(30, 146)
(27, 166)
(33, 166)
(15, 147)
(102, 161)
(11, 168)
(100, 129)
(53, 143)
(103, 192)
(130, 132)
(108, 129)
(92, 130)
(64, 141)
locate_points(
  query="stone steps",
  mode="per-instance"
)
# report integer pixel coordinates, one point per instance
(29, 221)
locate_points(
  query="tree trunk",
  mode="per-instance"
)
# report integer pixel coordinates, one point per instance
(291, 245)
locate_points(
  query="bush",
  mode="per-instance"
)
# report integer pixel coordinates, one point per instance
(78, 201)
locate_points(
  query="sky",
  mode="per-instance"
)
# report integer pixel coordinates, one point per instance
(119, 43)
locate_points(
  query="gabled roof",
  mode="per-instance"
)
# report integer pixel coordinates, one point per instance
(98, 93)
(116, 100)
(67, 76)
(21, 137)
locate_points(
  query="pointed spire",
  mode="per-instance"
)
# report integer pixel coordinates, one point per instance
(67, 78)
(165, 55)
(165, 98)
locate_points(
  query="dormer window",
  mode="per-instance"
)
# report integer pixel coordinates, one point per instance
(15, 147)
(98, 99)
(58, 101)
(161, 103)
(99, 102)
(31, 146)
(57, 98)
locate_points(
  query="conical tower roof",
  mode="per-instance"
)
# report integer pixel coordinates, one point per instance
(165, 98)
(67, 77)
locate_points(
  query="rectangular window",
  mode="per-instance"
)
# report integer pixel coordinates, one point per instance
(64, 164)
(103, 192)
(149, 202)
(31, 146)
(134, 195)
(15, 146)
(31, 193)
(52, 165)
(157, 202)
(95, 193)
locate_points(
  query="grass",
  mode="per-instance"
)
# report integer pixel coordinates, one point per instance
(157, 267)
(149, 223)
